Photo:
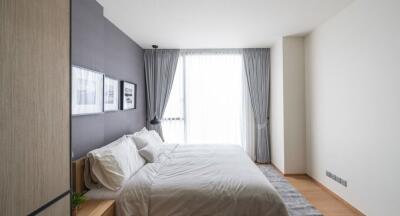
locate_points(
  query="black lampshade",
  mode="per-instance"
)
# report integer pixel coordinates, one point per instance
(155, 121)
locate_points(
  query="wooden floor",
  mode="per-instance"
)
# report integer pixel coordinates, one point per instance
(325, 202)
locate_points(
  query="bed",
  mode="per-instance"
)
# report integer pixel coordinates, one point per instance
(194, 180)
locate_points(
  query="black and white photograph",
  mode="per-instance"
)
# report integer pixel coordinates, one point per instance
(128, 92)
(111, 94)
(87, 91)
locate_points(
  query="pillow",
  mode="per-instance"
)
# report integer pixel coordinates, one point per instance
(150, 153)
(142, 131)
(91, 181)
(138, 133)
(113, 164)
(156, 136)
(143, 139)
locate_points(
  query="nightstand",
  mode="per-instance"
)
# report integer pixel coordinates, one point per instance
(97, 208)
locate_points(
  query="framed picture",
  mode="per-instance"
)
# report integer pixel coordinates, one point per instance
(87, 91)
(111, 94)
(128, 95)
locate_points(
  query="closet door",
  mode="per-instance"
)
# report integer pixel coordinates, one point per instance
(61, 207)
(34, 106)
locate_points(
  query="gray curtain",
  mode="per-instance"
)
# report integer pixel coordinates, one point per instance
(257, 68)
(160, 66)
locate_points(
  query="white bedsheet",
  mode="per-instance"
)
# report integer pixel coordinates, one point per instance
(102, 194)
(200, 180)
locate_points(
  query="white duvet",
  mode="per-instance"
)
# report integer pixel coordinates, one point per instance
(200, 180)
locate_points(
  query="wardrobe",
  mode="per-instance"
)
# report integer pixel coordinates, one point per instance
(35, 107)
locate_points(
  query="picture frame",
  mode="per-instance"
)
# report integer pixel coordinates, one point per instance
(128, 95)
(111, 94)
(86, 91)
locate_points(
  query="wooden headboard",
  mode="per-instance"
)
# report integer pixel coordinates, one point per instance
(78, 182)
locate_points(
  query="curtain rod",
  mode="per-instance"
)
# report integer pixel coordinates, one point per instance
(211, 51)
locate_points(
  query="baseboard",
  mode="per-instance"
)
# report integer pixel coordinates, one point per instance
(335, 195)
(294, 174)
(287, 174)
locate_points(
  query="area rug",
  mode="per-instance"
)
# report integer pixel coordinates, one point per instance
(296, 204)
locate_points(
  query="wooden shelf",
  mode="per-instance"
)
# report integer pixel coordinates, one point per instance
(97, 208)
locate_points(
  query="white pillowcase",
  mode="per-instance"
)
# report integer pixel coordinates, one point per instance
(142, 131)
(156, 136)
(151, 153)
(138, 133)
(113, 164)
(144, 138)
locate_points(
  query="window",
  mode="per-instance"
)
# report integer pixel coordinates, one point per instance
(205, 104)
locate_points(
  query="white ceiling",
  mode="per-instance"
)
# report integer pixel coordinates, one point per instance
(217, 23)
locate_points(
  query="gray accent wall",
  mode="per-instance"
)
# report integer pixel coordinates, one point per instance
(99, 45)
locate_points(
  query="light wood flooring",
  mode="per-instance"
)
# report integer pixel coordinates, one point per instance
(324, 201)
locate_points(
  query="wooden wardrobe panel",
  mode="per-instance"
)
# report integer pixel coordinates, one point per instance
(60, 208)
(34, 103)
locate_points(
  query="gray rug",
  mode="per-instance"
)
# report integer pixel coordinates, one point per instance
(296, 204)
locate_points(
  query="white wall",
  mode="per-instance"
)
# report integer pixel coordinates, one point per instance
(294, 105)
(276, 107)
(353, 104)
(287, 105)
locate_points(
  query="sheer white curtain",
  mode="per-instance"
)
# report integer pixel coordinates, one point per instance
(173, 122)
(213, 98)
(209, 101)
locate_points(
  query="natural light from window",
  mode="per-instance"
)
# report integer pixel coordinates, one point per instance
(205, 104)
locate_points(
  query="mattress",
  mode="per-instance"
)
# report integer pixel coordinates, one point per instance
(200, 180)
(102, 194)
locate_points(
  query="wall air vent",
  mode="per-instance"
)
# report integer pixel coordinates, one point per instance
(336, 178)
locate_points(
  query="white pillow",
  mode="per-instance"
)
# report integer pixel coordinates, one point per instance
(113, 164)
(142, 131)
(150, 153)
(138, 133)
(156, 136)
(143, 139)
